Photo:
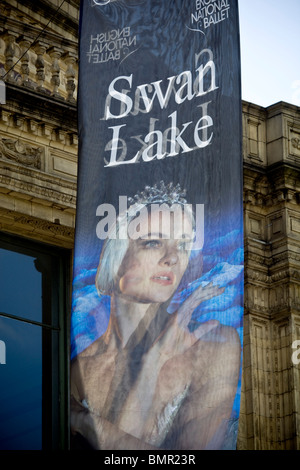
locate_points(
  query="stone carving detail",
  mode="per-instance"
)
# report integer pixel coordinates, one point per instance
(48, 188)
(39, 224)
(296, 143)
(21, 153)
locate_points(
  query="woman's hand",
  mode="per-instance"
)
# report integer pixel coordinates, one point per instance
(185, 311)
(177, 338)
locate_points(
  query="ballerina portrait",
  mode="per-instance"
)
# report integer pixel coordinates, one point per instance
(155, 378)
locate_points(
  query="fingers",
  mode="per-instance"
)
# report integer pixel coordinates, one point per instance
(205, 293)
(195, 299)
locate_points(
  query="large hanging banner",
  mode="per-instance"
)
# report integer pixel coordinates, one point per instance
(156, 330)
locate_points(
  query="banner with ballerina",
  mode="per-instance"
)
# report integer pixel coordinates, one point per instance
(157, 304)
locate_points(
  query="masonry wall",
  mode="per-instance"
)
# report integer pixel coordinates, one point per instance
(270, 398)
(38, 123)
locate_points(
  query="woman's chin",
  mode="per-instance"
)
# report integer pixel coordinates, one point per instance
(151, 298)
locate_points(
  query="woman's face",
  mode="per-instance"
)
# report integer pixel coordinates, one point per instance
(156, 261)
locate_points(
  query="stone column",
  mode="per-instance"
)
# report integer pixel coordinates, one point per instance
(270, 405)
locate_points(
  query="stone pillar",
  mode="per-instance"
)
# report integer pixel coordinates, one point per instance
(55, 53)
(10, 58)
(270, 401)
(70, 60)
(25, 43)
(40, 49)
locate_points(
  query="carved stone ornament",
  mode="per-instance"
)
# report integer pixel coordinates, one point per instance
(21, 153)
(296, 143)
(45, 225)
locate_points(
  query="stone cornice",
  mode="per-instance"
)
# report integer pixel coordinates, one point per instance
(47, 9)
(41, 107)
(31, 32)
(269, 111)
(34, 228)
(36, 184)
(282, 107)
(267, 186)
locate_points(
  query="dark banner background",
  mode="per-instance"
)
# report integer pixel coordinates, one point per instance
(166, 36)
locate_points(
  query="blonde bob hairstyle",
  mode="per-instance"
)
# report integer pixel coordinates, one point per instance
(115, 248)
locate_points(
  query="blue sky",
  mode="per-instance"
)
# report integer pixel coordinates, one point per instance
(270, 51)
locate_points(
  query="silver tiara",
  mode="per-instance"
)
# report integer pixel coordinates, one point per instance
(167, 194)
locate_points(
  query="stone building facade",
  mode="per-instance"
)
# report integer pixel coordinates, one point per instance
(38, 170)
(271, 375)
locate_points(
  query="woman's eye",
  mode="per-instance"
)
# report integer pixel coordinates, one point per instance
(184, 246)
(151, 244)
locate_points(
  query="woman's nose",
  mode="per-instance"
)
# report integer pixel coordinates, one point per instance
(170, 257)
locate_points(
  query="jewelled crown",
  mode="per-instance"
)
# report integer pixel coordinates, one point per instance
(162, 193)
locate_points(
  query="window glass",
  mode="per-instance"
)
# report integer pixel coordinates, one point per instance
(21, 386)
(33, 345)
(21, 285)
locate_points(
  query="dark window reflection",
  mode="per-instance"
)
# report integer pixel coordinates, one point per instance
(21, 386)
(21, 286)
(32, 305)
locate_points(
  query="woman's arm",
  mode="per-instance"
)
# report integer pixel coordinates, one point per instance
(204, 417)
(97, 431)
(101, 434)
(209, 399)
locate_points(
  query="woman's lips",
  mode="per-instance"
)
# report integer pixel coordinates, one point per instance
(163, 278)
